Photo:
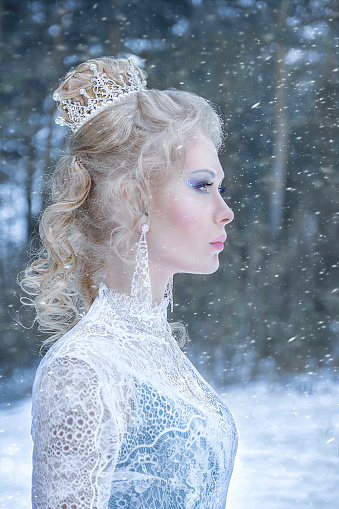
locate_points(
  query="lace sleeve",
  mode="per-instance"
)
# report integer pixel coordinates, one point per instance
(77, 428)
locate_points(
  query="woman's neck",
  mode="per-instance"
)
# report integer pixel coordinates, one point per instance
(120, 273)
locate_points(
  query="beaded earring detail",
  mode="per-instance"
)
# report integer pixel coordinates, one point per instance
(169, 293)
(141, 284)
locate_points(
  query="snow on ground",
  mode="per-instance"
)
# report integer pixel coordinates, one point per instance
(15, 454)
(288, 447)
(287, 457)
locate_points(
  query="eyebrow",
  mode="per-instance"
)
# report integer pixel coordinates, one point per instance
(211, 172)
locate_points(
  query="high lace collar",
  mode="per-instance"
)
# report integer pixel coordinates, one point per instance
(138, 312)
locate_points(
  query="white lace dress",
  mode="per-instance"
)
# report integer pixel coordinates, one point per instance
(121, 418)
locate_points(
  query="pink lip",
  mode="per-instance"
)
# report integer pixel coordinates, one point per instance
(220, 239)
(219, 243)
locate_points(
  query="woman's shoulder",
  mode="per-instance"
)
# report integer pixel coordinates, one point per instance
(82, 341)
(80, 372)
(94, 334)
(87, 347)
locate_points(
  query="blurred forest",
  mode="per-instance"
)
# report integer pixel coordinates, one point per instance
(271, 66)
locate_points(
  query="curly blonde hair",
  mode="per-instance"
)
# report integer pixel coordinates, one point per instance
(133, 148)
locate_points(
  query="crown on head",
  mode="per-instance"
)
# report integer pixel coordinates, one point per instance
(106, 93)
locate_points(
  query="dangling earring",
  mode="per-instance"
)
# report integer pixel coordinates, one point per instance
(169, 293)
(141, 284)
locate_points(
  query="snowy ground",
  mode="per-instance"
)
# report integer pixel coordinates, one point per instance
(288, 455)
(287, 458)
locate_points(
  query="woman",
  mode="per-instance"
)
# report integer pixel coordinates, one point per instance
(121, 418)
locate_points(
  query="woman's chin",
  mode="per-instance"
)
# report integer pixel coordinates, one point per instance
(215, 268)
(210, 269)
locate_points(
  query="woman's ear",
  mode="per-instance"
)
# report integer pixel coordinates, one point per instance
(144, 219)
(126, 193)
(122, 196)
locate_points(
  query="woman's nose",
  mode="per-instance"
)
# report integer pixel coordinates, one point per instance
(226, 214)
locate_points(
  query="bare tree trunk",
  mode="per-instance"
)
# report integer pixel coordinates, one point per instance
(1, 20)
(114, 29)
(281, 132)
(57, 56)
(28, 189)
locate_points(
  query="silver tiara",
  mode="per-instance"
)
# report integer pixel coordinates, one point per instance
(106, 93)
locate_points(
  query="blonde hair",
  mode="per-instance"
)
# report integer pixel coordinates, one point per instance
(132, 148)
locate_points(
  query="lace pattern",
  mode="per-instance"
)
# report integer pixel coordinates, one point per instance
(152, 319)
(121, 418)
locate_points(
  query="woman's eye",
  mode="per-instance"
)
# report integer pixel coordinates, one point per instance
(203, 186)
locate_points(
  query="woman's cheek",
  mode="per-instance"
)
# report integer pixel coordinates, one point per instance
(186, 213)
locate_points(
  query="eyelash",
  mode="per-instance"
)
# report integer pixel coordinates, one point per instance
(222, 190)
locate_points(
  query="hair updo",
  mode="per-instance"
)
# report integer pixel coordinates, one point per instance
(115, 161)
